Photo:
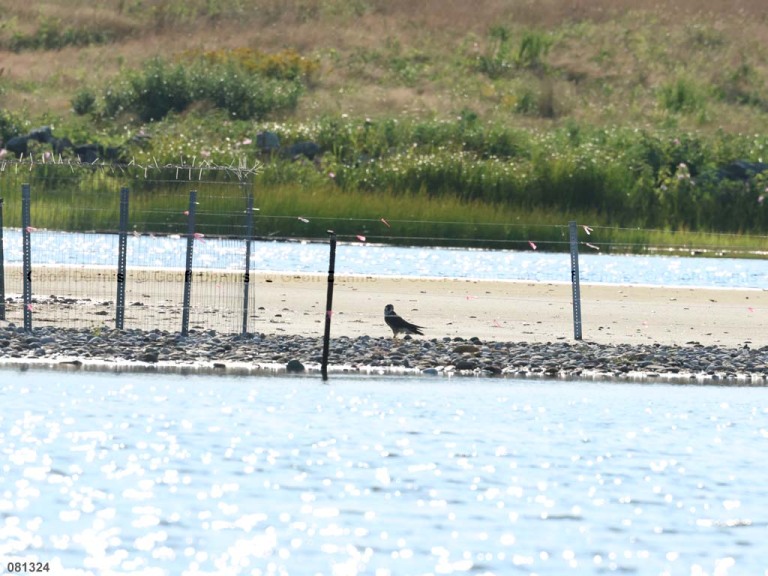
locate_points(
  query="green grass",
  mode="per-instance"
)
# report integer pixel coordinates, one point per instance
(159, 205)
(493, 124)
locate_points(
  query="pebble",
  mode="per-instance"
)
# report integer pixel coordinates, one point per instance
(473, 357)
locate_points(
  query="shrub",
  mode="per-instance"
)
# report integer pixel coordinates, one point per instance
(243, 96)
(118, 99)
(497, 61)
(162, 87)
(10, 125)
(682, 96)
(534, 46)
(84, 102)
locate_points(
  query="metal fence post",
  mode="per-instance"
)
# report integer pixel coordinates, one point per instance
(2, 266)
(328, 307)
(188, 269)
(574, 234)
(121, 260)
(247, 276)
(26, 230)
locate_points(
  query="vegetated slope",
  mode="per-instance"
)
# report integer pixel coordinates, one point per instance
(523, 62)
(625, 114)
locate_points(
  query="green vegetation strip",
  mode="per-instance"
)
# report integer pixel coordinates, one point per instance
(89, 201)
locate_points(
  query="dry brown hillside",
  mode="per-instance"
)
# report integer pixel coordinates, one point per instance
(607, 60)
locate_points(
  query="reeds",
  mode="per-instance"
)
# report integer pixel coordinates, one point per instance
(90, 202)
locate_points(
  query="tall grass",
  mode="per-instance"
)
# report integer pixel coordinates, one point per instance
(664, 180)
(90, 202)
(396, 219)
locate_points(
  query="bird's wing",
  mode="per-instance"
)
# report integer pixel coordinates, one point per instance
(412, 327)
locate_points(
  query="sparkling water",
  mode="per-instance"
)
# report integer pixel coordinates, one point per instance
(171, 475)
(66, 248)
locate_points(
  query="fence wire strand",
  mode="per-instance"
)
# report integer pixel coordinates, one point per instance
(78, 288)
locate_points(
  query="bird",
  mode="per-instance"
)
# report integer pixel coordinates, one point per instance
(398, 325)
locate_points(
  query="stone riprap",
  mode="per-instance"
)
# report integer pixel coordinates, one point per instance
(254, 353)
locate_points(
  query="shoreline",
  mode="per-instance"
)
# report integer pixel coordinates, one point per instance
(340, 370)
(262, 355)
(472, 327)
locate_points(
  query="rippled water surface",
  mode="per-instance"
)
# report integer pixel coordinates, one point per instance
(358, 258)
(128, 474)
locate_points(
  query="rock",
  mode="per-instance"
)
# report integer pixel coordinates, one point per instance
(436, 356)
(466, 364)
(466, 349)
(149, 355)
(294, 366)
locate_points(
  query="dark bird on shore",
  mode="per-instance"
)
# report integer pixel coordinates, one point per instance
(398, 325)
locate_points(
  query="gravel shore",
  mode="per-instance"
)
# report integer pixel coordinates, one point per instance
(208, 351)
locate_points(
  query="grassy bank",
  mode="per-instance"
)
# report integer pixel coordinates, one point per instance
(159, 204)
(491, 124)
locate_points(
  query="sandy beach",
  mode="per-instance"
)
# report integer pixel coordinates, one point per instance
(519, 311)
(292, 304)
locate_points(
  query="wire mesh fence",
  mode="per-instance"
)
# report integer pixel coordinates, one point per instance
(174, 253)
(81, 294)
(140, 250)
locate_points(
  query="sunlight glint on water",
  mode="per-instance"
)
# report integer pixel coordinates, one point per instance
(51, 248)
(211, 475)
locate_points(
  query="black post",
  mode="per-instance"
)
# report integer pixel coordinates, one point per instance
(2, 266)
(247, 277)
(121, 260)
(329, 307)
(188, 269)
(26, 230)
(574, 234)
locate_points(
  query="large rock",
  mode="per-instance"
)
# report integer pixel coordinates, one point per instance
(294, 366)
(267, 142)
